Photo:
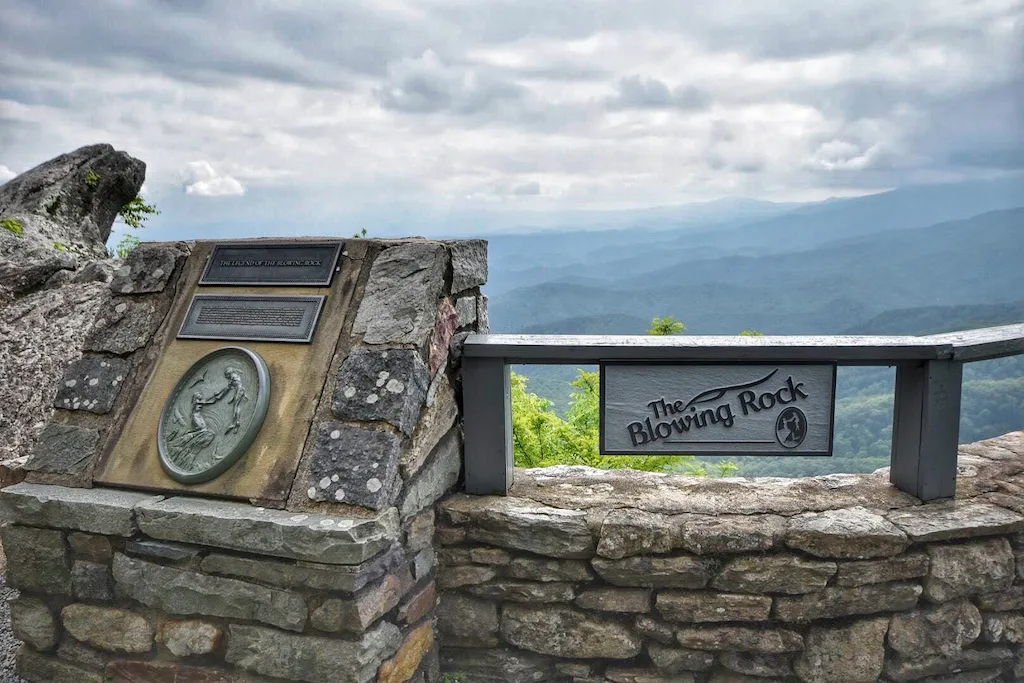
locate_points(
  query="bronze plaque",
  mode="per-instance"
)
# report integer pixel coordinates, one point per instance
(254, 317)
(268, 264)
(299, 372)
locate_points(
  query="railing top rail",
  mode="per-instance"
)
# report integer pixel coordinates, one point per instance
(968, 345)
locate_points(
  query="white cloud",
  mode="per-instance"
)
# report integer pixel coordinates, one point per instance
(6, 174)
(203, 180)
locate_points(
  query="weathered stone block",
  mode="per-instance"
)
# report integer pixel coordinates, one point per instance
(237, 526)
(658, 631)
(33, 623)
(418, 605)
(729, 534)
(402, 667)
(637, 675)
(419, 531)
(169, 672)
(438, 476)
(522, 525)
(464, 575)
(97, 511)
(423, 563)
(346, 578)
(176, 591)
(740, 639)
(467, 622)
(1004, 601)
(389, 386)
(80, 654)
(902, 670)
(353, 465)
(674, 660)
(91, 581)
(852, 533)
(147, 269)
(512, 590)
(177, 553)
(635, 600)
(92, 547)
(123, 325)
(566, 632)
(435, 421)
(469, 264)
(113, 630)
(749, 664)
(91, 383)
(38, 668)
(357, 613)
(909, 566)
(549, 570)
(465, 308)
(498, 665)
(968, 569)
(635, 532)
(400, 300)
(942, 630)
(37, 560)
(1003, 628)
(63, 449)
(441, 337)
(843, 654)
(699, 606)
(836, 601)
(683, 571)
(188, 637)
(947, 521)
(309, 659)
(783, 573)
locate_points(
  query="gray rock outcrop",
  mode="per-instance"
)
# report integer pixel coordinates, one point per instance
(54, 273)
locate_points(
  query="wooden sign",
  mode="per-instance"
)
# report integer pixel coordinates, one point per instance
(717, 409)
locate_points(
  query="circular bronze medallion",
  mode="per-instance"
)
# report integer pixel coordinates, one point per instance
(213, 414)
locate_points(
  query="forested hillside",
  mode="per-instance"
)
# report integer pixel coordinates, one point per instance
(853, 266)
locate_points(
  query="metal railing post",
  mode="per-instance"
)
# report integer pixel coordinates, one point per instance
(926, 428)
(487, 407)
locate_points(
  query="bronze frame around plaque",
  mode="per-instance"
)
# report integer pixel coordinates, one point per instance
(325, 282)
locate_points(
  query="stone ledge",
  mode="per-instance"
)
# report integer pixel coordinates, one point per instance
(99, 511)
(299, 536)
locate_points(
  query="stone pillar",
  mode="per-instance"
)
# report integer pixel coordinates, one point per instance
(333, 582)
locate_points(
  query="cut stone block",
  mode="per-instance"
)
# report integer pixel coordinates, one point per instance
(237, 526)
(382, 385)
(97, 511)
(353, 465)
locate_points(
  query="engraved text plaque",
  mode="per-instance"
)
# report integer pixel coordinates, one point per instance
(306, 264)
(252, 317)
(717, 409)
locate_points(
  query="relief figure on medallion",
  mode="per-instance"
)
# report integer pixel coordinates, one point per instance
(206, 427)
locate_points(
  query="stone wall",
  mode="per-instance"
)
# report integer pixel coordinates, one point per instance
(334, 582)
(589, 576)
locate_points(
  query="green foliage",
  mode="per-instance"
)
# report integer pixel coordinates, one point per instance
(13, 226)
(59, 246)
(751, 333)
(664, 327)
(126, 246)
(135, 212)
(92, 179)
(361, 233)
(540, 438)
(451, 678)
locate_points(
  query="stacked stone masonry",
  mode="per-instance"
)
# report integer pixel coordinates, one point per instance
(339, 585)
(587, 576)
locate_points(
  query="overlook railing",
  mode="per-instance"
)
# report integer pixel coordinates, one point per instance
(926, 417)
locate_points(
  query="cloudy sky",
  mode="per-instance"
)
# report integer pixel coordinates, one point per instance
(351, 112)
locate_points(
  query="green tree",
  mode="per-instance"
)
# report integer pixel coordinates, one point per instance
(665, 327)
(751, 333)
(135, 212)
